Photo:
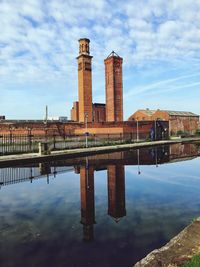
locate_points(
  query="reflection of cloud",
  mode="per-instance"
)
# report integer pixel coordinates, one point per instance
(169, 175)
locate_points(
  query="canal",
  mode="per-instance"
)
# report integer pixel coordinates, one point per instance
(104, 210)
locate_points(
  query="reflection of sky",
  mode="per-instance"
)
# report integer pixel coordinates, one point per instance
(40, 222)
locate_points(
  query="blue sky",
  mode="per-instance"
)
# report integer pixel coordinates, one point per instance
(158, 39)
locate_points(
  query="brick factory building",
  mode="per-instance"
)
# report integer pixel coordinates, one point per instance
(179, 121)
(96, 118)
(98, 112)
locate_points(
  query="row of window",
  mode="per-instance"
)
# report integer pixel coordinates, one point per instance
(84, 48)
(87, 66)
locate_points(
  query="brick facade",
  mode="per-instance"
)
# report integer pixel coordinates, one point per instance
(99, 112)
(178, 120)
(114, 91)
(75, 112)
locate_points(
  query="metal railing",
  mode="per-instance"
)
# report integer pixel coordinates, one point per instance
(18, 144)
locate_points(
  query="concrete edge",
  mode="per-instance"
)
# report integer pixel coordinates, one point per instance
(14, 159)
(177, 251)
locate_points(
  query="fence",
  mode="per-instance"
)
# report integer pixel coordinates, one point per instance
(14, 144)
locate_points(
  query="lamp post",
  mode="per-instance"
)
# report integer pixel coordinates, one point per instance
(137, 129)
(155, 132)
(86, 127)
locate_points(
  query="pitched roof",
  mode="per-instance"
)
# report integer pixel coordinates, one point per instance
(180, 113)
(147, 112)
(150, 112)
(113, 54)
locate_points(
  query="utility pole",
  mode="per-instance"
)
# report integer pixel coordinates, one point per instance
(46, 117)
(86, 127)
(155, 132)
(137, 130)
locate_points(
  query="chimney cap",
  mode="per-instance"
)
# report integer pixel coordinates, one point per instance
(113, 54)
(84, 39)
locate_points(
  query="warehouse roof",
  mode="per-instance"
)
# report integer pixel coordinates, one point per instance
(147, 111)
(180, 113)
(150, 112)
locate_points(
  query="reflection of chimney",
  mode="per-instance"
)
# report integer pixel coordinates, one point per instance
(87, 201)
(116, 192)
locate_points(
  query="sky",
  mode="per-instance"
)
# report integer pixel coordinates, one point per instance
(159, 41)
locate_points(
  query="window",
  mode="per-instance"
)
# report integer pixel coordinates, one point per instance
(88, 66)
(80, 66)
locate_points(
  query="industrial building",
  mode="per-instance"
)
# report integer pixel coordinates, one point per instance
(103, 118)
(179, 121)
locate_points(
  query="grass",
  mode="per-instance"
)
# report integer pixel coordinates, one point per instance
(194, 262)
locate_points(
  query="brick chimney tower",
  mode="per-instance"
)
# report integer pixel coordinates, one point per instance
(114, 87)
(85, 80)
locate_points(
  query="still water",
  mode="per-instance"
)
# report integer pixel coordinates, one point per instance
(106, 210)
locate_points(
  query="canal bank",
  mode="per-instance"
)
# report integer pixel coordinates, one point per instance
(72, 153)
(178, 251)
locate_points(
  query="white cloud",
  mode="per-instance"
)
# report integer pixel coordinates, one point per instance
(38, 40)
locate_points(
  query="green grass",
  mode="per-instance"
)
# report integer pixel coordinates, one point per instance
(194, 262)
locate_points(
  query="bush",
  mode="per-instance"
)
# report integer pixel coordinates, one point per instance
(194, 262)
(198, 132)
(183, 133)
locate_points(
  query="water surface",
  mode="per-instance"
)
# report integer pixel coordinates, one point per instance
(106, 210)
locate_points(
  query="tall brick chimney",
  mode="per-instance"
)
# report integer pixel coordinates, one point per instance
(114, 87)
(85, 80)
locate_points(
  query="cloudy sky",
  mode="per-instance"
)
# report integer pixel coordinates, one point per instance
(158, 39)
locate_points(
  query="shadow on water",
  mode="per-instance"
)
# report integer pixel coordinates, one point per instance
(103, 210)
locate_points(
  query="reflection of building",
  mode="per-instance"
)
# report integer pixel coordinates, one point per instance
(87, 201)
(114, 94)
(116, 192)
(178, 120)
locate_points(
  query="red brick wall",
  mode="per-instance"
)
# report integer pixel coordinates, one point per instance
(183, 123)
(99, 113)
(176, 123)
(71, 128)
(75, 112)
(38, 128)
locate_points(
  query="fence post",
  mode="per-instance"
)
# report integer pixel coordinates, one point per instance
(54, 141)
(44, 148)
